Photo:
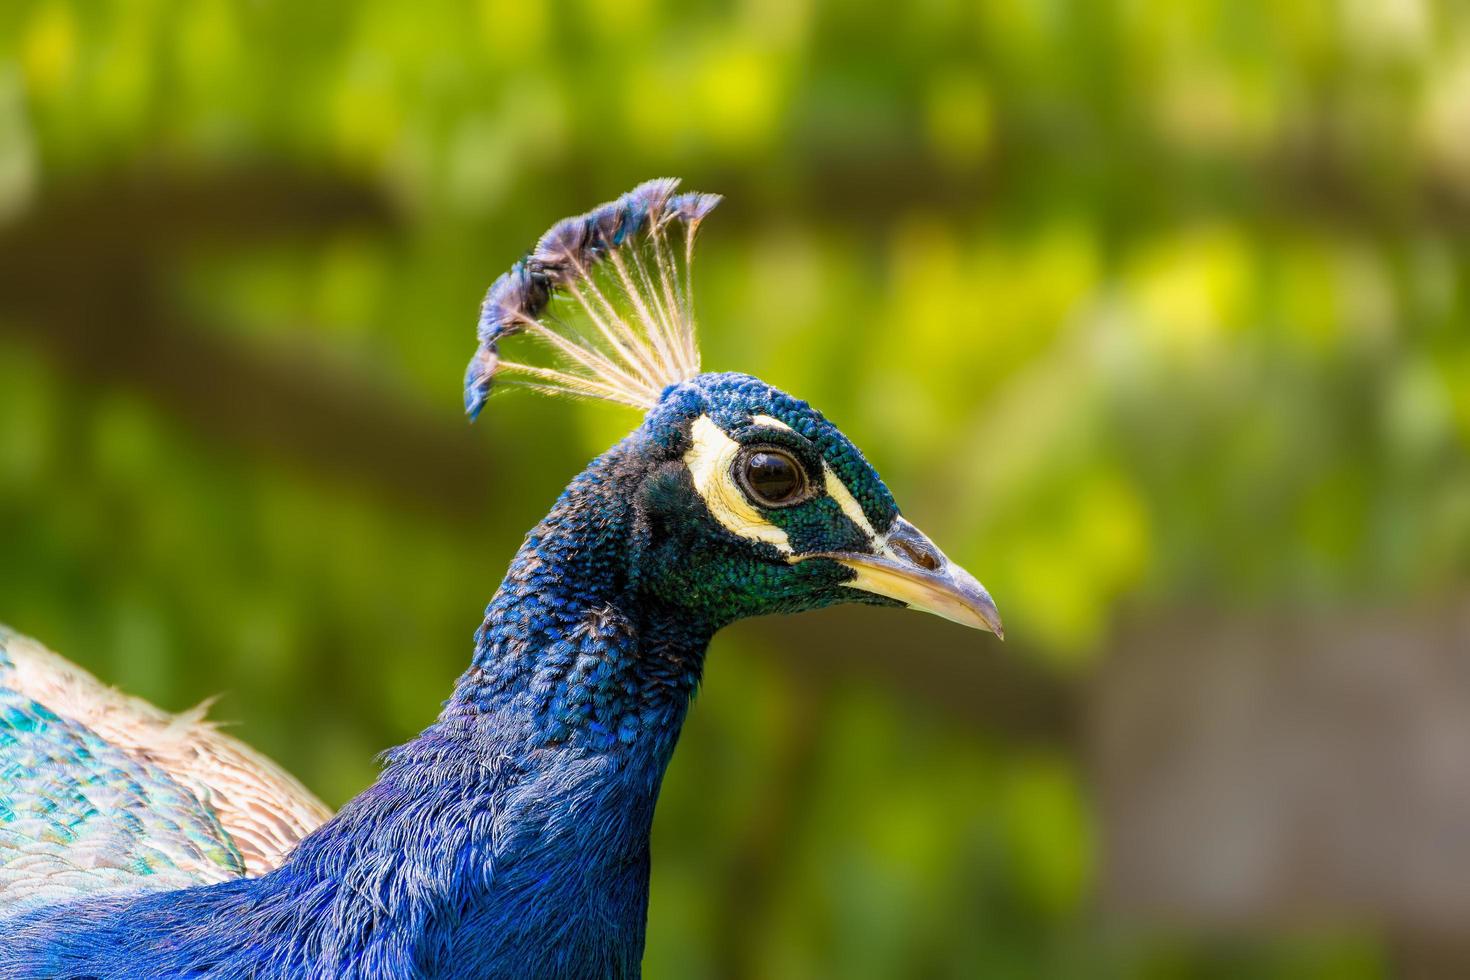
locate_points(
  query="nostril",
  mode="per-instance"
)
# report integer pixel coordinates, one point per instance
(925, 557)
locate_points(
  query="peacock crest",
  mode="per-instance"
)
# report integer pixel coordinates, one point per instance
(609, 293)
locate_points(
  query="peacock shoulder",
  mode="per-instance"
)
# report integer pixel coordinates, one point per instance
(102, 792)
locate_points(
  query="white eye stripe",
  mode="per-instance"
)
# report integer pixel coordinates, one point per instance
(853, 510)
(709, 460)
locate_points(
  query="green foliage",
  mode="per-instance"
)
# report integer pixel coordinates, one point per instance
(1134, 304)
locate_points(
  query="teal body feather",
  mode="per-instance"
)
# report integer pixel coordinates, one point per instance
(79, 815)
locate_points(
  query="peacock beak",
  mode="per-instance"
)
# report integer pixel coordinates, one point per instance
(909, 568)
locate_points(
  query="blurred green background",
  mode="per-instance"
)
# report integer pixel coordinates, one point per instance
(1151, 312)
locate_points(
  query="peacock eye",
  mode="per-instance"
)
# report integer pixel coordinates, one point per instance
(771, 476)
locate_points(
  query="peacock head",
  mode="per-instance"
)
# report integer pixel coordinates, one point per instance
(748, 500)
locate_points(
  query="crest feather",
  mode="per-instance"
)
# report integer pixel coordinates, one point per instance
(609, 292)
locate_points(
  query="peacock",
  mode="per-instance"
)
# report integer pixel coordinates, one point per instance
(511, 837)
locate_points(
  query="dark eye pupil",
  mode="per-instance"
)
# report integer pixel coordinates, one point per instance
(773, 477)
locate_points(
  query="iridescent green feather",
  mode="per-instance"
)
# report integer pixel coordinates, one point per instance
(79, 815)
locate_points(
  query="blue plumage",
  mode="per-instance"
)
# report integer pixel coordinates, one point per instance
(511, 837)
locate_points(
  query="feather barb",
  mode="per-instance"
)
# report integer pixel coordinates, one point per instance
(609, 293)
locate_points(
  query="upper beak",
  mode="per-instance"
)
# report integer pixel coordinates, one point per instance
(909, 568)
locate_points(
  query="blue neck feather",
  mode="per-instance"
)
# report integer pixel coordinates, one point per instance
(573, 652)
(511, 837)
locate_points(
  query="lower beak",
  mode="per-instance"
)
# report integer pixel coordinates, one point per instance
(909, 568)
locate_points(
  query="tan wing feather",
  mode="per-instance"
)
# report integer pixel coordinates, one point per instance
(263, 808)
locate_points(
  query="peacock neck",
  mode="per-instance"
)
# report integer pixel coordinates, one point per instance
(521, 816)
(573, 654)
(510, 838)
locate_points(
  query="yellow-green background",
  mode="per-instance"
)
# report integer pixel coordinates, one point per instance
(1138, 305)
